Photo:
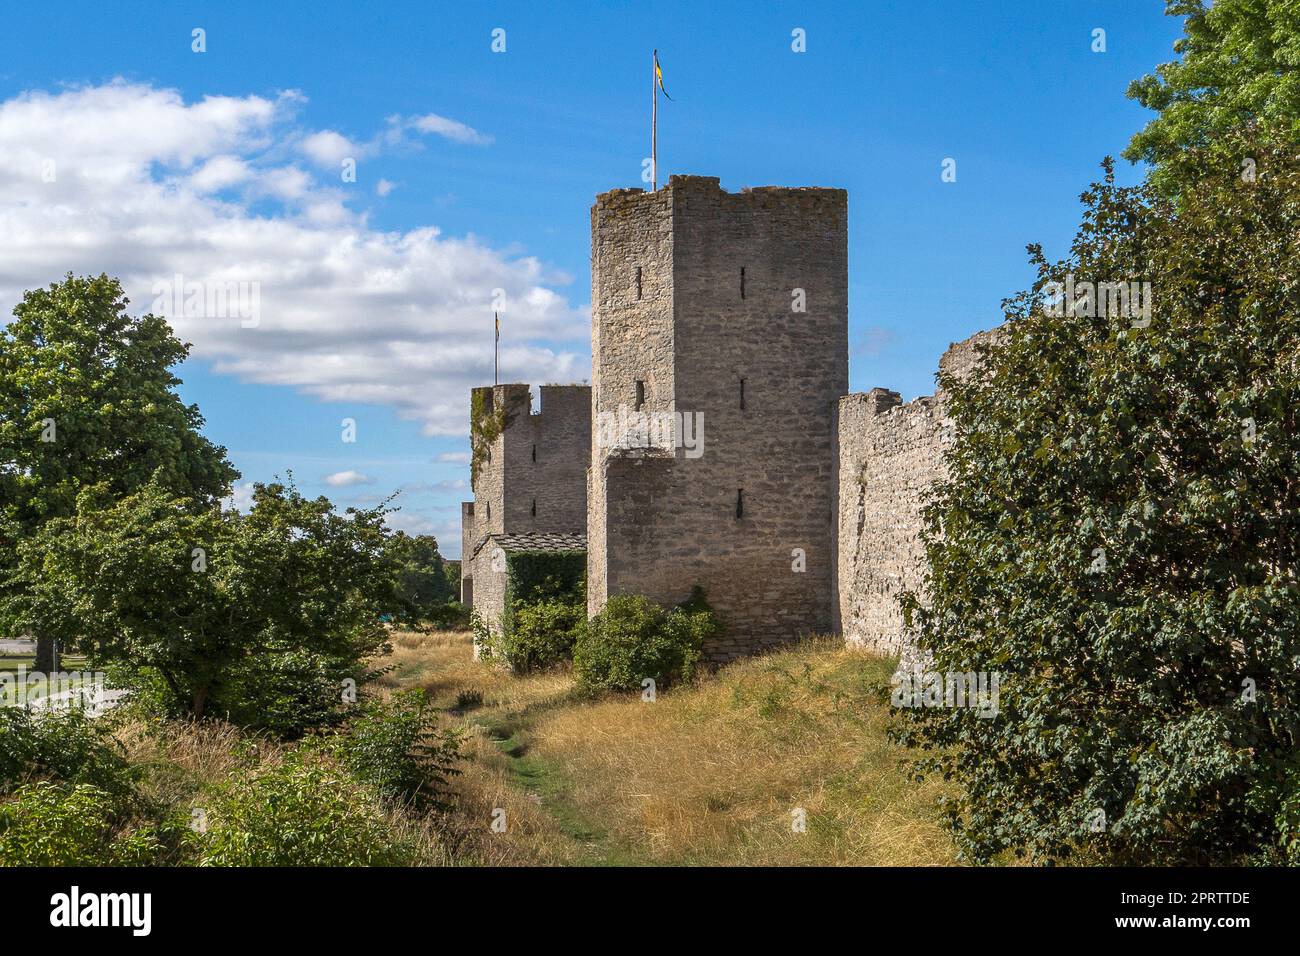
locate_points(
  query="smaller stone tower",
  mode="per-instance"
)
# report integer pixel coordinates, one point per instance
(529, 477)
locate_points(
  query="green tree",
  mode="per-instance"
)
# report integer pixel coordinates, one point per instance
(1118, 540)
(261, 618)
(1239, 66)
(428, 586)
(87, 401)
(422, 577)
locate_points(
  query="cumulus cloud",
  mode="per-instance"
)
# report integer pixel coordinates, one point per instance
(455, 457)
(448, 128)
(328, 148)
(347, 479)
(134, 181)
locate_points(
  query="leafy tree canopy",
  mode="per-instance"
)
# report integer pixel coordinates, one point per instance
(1119, 538)
(87, 398)
(261, 618)
(1239, 66)
(88, 401)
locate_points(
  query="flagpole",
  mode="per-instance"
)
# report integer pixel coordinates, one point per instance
(496, 347)
(654, 121)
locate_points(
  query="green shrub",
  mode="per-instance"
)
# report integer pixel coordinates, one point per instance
(541, 635)
(484, 638)
(397, 748)
(258, 625)
(632, 639)
(287, 694)
(1116, 539)
(303, 811)
(65, 746)
(469, 698)
(47, 824)
(452, 616)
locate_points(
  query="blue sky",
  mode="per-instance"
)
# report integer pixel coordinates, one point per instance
(476, 170)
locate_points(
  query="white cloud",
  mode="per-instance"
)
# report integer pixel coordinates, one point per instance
(346, 479)
(148, 187)
(423, 522)
(455, 457)
(447, 484)
(384, 187)
(328, 148)
(241, 497)
(221, 172)
(448, 128)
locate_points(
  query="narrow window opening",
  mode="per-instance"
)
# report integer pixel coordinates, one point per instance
(640, 395)
(534, 453)
(489, 511)
(742, 282)
(742, 394)
(740, 503)
(638, 283)
(534, 507)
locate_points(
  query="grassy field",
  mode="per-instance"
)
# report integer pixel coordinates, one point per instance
(709, 774)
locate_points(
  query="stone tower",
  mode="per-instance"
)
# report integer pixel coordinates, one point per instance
(529, 476)
(725, 315)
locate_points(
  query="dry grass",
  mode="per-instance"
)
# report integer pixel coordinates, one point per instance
(442, 665)
(182, 759)
(709, 774)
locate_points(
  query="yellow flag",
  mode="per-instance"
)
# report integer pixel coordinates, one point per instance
(659, 75)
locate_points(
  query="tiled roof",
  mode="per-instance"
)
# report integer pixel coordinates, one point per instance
(536, 541)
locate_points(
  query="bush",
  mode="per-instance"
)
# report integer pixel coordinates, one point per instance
(632, 639)
(65, 746)
(397, 748)
(48, 824)
(452, 616)
(259, 623)
(541, 635)
(286, 694)
(303, 811)
(483, 638)
(1288, 826)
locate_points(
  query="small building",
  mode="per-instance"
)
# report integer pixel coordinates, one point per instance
(495, 556)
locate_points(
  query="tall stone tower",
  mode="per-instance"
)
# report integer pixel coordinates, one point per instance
(725, 314)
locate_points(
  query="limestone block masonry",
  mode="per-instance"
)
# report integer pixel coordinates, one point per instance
(731, 308)
(891, 457)
(795, 506)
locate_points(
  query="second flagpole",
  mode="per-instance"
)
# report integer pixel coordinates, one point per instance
(654, 122)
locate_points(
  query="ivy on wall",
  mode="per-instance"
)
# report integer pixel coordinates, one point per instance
(545, 609)
(485, 426)
(533, 576)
